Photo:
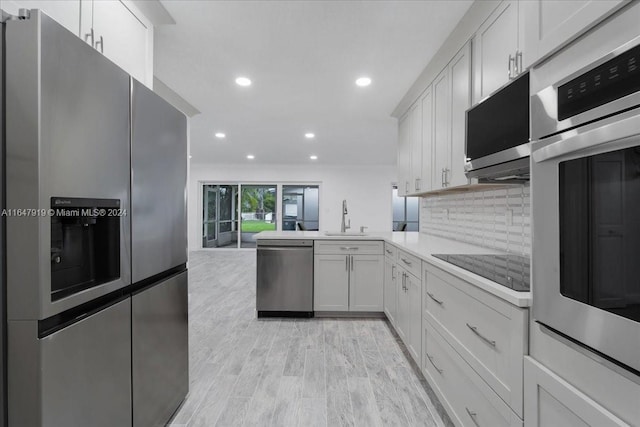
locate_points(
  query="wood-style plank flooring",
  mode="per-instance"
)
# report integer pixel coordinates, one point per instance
(246, 371)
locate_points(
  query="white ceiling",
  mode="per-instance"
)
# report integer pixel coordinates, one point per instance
(303, 58)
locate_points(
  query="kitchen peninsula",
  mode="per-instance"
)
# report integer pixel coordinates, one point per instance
(450, 319)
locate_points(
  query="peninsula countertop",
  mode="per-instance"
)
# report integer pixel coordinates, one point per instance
(423, 246)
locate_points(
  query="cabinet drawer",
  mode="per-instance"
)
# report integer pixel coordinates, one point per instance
(390, 251)
(410, 263)
(338, 247)
(490, 334)
(469, 400)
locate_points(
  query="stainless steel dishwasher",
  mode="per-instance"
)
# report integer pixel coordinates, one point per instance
(285, 278)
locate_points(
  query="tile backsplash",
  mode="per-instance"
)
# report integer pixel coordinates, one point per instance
(496, 219)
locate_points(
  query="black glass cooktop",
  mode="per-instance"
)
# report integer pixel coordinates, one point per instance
(511, 271)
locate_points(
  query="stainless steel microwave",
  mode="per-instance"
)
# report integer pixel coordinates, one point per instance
(498, 133)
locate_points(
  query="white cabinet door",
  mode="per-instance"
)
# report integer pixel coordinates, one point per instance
(414, 306)
(404, 155)
(460, 67)
(331, 283)
(548, 24)
(390, 291)
(402, 312)
(66, 13)
(416, 147)
(551, 401)
(366, 283)
(441, 121)
(495, 43)
(124, 39)
(427, 140)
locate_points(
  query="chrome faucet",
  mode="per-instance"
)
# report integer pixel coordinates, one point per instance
(344, 226)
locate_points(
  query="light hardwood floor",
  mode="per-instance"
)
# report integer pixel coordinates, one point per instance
(246, 371)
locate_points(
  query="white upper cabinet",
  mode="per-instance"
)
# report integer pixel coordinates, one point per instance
(426, 182)
(416, 147)
(404, 154)
(66, 13)
(549, 24)
(460, 69)
(497, 57)
(441, 120)
(115, 28)
(122, 34)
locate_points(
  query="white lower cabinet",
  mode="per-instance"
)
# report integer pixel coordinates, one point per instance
(347, 280)
(331, 283)
(390, 291)
(365, 283)
(551, 401)
(467, 398)
(409, 312)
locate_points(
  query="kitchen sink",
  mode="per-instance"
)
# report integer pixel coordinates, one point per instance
(346, 233)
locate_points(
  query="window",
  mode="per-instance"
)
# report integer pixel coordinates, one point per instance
(406, 212)
(300, 207)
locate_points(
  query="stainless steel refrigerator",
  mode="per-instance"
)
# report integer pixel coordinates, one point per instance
(158, 257)
(95, 236)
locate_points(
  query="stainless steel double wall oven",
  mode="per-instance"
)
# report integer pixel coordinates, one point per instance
(586, 191)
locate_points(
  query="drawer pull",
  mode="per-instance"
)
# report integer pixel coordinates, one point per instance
(474, 329)
(473, 416)
(349, 248)
(405, 261)
(388, 251)
(440, 371)
(437, 300)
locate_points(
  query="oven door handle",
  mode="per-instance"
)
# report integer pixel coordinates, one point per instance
(596, 134)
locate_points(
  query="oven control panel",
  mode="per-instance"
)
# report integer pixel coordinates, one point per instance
(612, 80)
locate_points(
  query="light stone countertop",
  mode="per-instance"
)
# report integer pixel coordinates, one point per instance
(423, 246)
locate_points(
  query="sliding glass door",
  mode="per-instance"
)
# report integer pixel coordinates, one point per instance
(220, 216)
(258, 212)
(232, 214)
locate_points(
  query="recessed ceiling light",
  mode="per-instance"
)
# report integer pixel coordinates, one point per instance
(250, 156)
(220, 135)
(363, 81)
(313, 157)
(309, 135)
(243, 81)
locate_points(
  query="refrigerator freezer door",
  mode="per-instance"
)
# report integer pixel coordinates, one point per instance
(160, 351)
(67, 136)
(86, 371)
(158, 184)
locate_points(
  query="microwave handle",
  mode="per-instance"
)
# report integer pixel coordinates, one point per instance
(614, 131)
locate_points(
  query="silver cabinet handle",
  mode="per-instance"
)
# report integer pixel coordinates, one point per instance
(389, 252)
(393, 272)
(101, 43)
(519, 65)
(346, 263)
(473, 416)
(442, 177)
(405, 261)
(434, 298)
(417, 184)
(406, 186)
(351, 262)
(440, 371)
(349, 248)
(512, 61)
(446, 177)
(474, 329)
(88, 36)
(404, 280)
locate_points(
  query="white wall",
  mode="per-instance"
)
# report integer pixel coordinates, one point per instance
(367, 190)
